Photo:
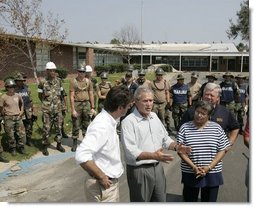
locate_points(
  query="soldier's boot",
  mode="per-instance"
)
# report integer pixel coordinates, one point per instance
(13, 152)
(29, 142)
(64, 135)
(45, 151)
(2, 159)
(22, 150)
(59, 147)
(74, 146)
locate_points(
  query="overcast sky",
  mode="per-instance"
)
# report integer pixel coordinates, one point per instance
(196, 21)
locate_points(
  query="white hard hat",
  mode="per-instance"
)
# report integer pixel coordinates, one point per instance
(89, 68)
(50, 66)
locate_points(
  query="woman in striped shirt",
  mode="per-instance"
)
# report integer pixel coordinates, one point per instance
(202, 168)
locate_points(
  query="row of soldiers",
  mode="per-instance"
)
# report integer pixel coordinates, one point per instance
(84, 93)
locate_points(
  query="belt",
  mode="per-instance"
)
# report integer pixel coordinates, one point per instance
(154, 164)
(113, 179)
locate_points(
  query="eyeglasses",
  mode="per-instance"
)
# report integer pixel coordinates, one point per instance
(202, 114)
(81, 71)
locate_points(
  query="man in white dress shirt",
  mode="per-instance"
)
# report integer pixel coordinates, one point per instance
(99, 152)
(144, 140)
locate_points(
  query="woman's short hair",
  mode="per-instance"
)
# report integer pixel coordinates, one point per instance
(116, 97)
(205, 105)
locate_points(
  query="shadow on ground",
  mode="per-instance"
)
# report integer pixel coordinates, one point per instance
(174, 198)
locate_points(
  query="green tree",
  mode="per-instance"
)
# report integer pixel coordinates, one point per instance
(241, 27)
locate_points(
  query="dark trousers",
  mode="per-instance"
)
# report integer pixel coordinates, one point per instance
(208, 194)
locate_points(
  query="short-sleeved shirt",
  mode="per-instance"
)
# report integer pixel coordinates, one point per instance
(81, 89)
(103, 88)
(180, 93)
(10, 104)
(194, 90)
(159, 89)
(143, 135)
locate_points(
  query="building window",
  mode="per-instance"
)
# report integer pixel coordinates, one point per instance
(81, 55)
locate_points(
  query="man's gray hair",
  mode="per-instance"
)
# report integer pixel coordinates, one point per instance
(140, 90)
(212, 87)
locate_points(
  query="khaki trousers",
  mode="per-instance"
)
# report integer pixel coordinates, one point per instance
(96, 193)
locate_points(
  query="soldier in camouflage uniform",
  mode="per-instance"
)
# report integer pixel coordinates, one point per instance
(50, 91)
(181, 99)
(25, 93)
(2, 159)
(160, 89)
(141, 80)
(82, 104)
(242, 102)
(102, 90)
(229, 92)
(12, 109)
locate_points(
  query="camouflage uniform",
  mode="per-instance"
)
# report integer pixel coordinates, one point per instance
(229, 92)
(102, 90)
(180, 95)
(160, 89)
(25, 93)
(241, 102)
(51, 91)
(11, 108)
(82, 105)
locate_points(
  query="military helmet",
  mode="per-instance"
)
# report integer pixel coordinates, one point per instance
(159, 71)
(104, 75)
(19, 77)
(194, 75)
(180, 77)
(141, 72)
(9, 82)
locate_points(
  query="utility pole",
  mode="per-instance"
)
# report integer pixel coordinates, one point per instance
(141, 36)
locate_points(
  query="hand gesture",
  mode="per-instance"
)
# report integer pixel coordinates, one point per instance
(160, 156)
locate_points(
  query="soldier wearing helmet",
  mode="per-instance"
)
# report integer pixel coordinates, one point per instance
(12, 109)
(23, 90)
(102, 90)
(181, 99)
(50, 92)
(229, 92)
(194, 87)
(141, 80)
(242, 102)
(160, 89)
(82, 103)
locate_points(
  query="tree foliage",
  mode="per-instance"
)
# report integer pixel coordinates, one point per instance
(241, 27)
(24, 18)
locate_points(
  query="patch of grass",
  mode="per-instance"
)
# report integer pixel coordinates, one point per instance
(37, 127)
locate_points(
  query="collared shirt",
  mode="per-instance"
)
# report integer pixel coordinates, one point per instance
(101, 144)
(141, 134)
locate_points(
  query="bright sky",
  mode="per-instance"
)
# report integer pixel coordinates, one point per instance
(196, 21)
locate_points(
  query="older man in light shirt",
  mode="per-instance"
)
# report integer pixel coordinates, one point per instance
(99, 152)
(144, 139)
